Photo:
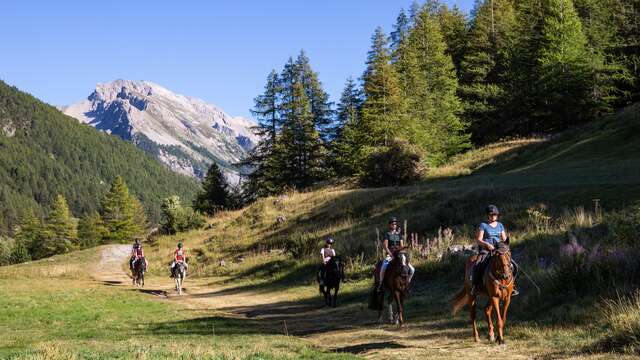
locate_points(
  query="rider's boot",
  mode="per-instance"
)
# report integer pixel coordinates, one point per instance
(515, 292)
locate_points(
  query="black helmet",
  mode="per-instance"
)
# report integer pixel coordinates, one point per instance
(330, 240)
(393, 220)
(492, 209)
(137, 241)
(180, 245)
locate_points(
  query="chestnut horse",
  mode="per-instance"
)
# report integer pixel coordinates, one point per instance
(498, 280)
(395, 281)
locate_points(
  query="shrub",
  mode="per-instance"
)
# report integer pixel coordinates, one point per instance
(622, 320)
(176, 218)
(397, 164)
(301, 245)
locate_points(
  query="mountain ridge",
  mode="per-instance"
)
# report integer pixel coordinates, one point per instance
(183, 132)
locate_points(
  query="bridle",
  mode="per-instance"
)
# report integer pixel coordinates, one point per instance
(510, 276)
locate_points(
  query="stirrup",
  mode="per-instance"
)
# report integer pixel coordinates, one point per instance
(515, 292)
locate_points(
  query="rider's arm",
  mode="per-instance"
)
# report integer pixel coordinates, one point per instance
(386, 247)
(503, 235)
(482, 243)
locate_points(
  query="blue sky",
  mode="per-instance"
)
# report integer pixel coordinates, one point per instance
(220, 51)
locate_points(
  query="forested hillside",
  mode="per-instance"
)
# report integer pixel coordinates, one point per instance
(441, 82)
(44, 153)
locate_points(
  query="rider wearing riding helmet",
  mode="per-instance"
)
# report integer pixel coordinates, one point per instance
(327, 252)
(392, 243)
(489, 235)
(136, 254)
(179, 257)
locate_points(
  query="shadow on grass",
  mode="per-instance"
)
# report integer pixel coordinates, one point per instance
(363, 348)
(212, 325)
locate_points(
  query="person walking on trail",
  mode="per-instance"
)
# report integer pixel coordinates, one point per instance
(137, 253)
(489, 235)
(326, 253)
(179, 257)
(392, 243)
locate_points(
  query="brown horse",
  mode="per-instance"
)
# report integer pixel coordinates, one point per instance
(498, 281)
(396, 282)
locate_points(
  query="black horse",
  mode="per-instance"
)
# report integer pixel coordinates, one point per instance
(333, 275)
(139, 268)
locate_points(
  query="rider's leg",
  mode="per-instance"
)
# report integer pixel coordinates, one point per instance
(383, 268)
(514, 269)
(412, 270)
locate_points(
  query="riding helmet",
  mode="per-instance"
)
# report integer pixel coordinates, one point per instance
(393, 219)
(137, 241)
(180, 245)
(330, 240)
(492, 209)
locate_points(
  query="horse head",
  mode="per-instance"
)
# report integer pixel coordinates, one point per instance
(502, 262)
(403, 261)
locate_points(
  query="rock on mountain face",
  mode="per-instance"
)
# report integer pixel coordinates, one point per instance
(185, 133)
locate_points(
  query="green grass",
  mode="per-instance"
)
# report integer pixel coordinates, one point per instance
(60, 318)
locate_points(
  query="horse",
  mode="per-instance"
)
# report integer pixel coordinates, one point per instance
(396, 282)
(139, 268)
(498, 282)
(178, 276)
(333, 275)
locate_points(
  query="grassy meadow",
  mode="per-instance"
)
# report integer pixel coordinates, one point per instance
(571, 204)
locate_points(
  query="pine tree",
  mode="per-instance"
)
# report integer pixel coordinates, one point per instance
(301, 150)
(430, 85)
(347, 146)
(453, 25)
(262, 179)
(399, 33)
(318, 98)
(61, 232)
(215, 192)
(383, 110)
(564, 67)
(91, 230)
(30, 233)
(550, 69)
(484, 69)
(118, 214)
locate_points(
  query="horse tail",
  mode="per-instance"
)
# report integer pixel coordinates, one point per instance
(460, 300)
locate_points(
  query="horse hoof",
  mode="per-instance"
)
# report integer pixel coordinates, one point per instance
(492, 338)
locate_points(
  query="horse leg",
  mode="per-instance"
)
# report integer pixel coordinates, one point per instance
(380, 303)
(335, 296)
(472, 311)
(390, 301)
(488, 311)
(502, 318)
(398, 298)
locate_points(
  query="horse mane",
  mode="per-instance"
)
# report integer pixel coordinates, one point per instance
(502, 248)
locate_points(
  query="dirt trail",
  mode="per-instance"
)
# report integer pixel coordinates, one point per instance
(350, 328)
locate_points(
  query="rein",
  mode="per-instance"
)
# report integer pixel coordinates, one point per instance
(500, 284)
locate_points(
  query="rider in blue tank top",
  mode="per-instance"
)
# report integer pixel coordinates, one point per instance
(492, 234)
(489, 236)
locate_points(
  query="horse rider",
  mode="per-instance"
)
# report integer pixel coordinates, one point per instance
(392, 243)
(326, 253)
(137, 253)
(488, 237)
(179, 257)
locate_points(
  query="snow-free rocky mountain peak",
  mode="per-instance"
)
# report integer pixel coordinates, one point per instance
(183, 132)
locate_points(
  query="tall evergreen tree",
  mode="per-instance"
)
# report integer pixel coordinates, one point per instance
(431, 84)
(383, 110)
(347, 147)
(119, 213)
(301, 147)
(453, 25)
(484, 68)
(30, 233)
(550, 67)
(215, 192)
(321, 107)
(399, 33)
(91, 230)
(60, 231)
